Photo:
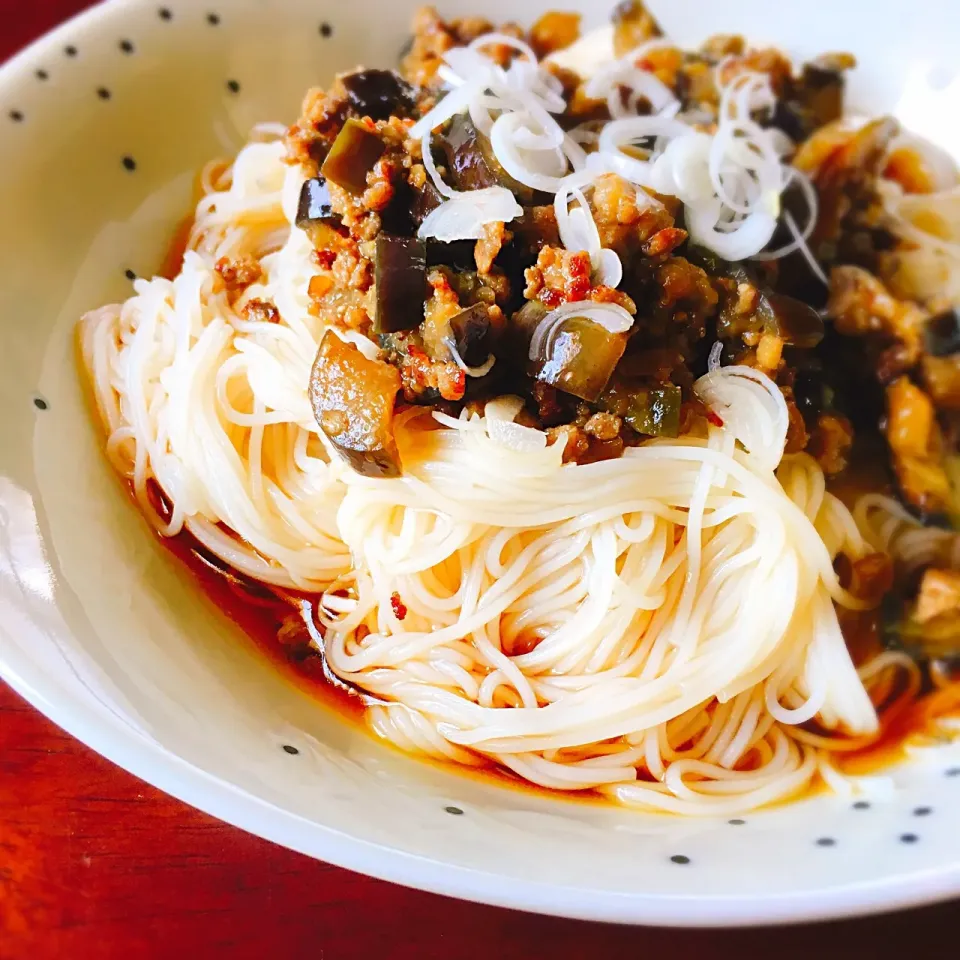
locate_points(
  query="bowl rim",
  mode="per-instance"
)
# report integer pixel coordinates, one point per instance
(159, 767)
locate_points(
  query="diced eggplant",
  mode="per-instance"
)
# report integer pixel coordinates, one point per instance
(425, 201)
(792, 320)
(472, 334)
(523, 324)
(315, 213)
(315, 203)
(353, 399)
(942, 333)
(473, 164)
(453, 253)
(650, 411)
(632, 25)
(352, 157)
(379, 94)
(401, 281)
(580, 357)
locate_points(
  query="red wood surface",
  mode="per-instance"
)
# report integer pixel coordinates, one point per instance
(96, 864)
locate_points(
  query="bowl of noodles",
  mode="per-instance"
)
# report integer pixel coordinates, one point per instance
(513, 459)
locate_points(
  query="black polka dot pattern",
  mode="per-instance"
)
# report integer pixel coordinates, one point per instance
(908, 838)
(103, 93)
(952, 772)
(129, 164)
(213, 19)
(70, 50)
(233, 86)
(129, 274)
(40, 403)
(679, 858)
(165, 13)
(456, 811)
(826, 842)
(16, 116)
(326, 30)
(861, 805)
(736, 822)
(42, 75)
(922, 811)
(289, 748)
(126, 46)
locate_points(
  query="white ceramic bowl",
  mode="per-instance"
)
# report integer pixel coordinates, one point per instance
(104, 634)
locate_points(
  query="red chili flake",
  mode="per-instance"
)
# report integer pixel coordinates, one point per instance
(578, 288)
(550, 297)
(399, 610)
(324, 258)
(460, 383)
(714, 419)
(414, 351)
(579, 265)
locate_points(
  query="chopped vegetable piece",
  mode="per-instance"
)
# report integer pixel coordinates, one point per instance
(658, 413)
(471, 332)
(525, 321)
(792, 320)
(315, 214)
(915, 443)
(939, 594)
(651, 411)
(941, 377)
(353, 399)
(352, 157)
(942, 333)
(401, 281)
(632, 25)
(315, 203)
(453, 253)
(379, 94)
(473, 164)
(554, 31)
(580, 357)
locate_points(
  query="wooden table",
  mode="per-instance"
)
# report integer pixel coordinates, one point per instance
(95, 864)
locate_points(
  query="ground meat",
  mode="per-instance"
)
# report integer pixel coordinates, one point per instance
(441, 306)
(576, 440)
(562, 276)
(238, 272)
(685, 293)
(261, 311)
(363, 216)
(722, 45)
(769, 61)
(603, 426)
(321, 117)
(488, 246)
(769, 352)
(423, 378)
(830, 443)
(623, 226)
(861, 305)
(341, 294)
(432, 37)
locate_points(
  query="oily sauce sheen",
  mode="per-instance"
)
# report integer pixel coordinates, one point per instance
(269, 617)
